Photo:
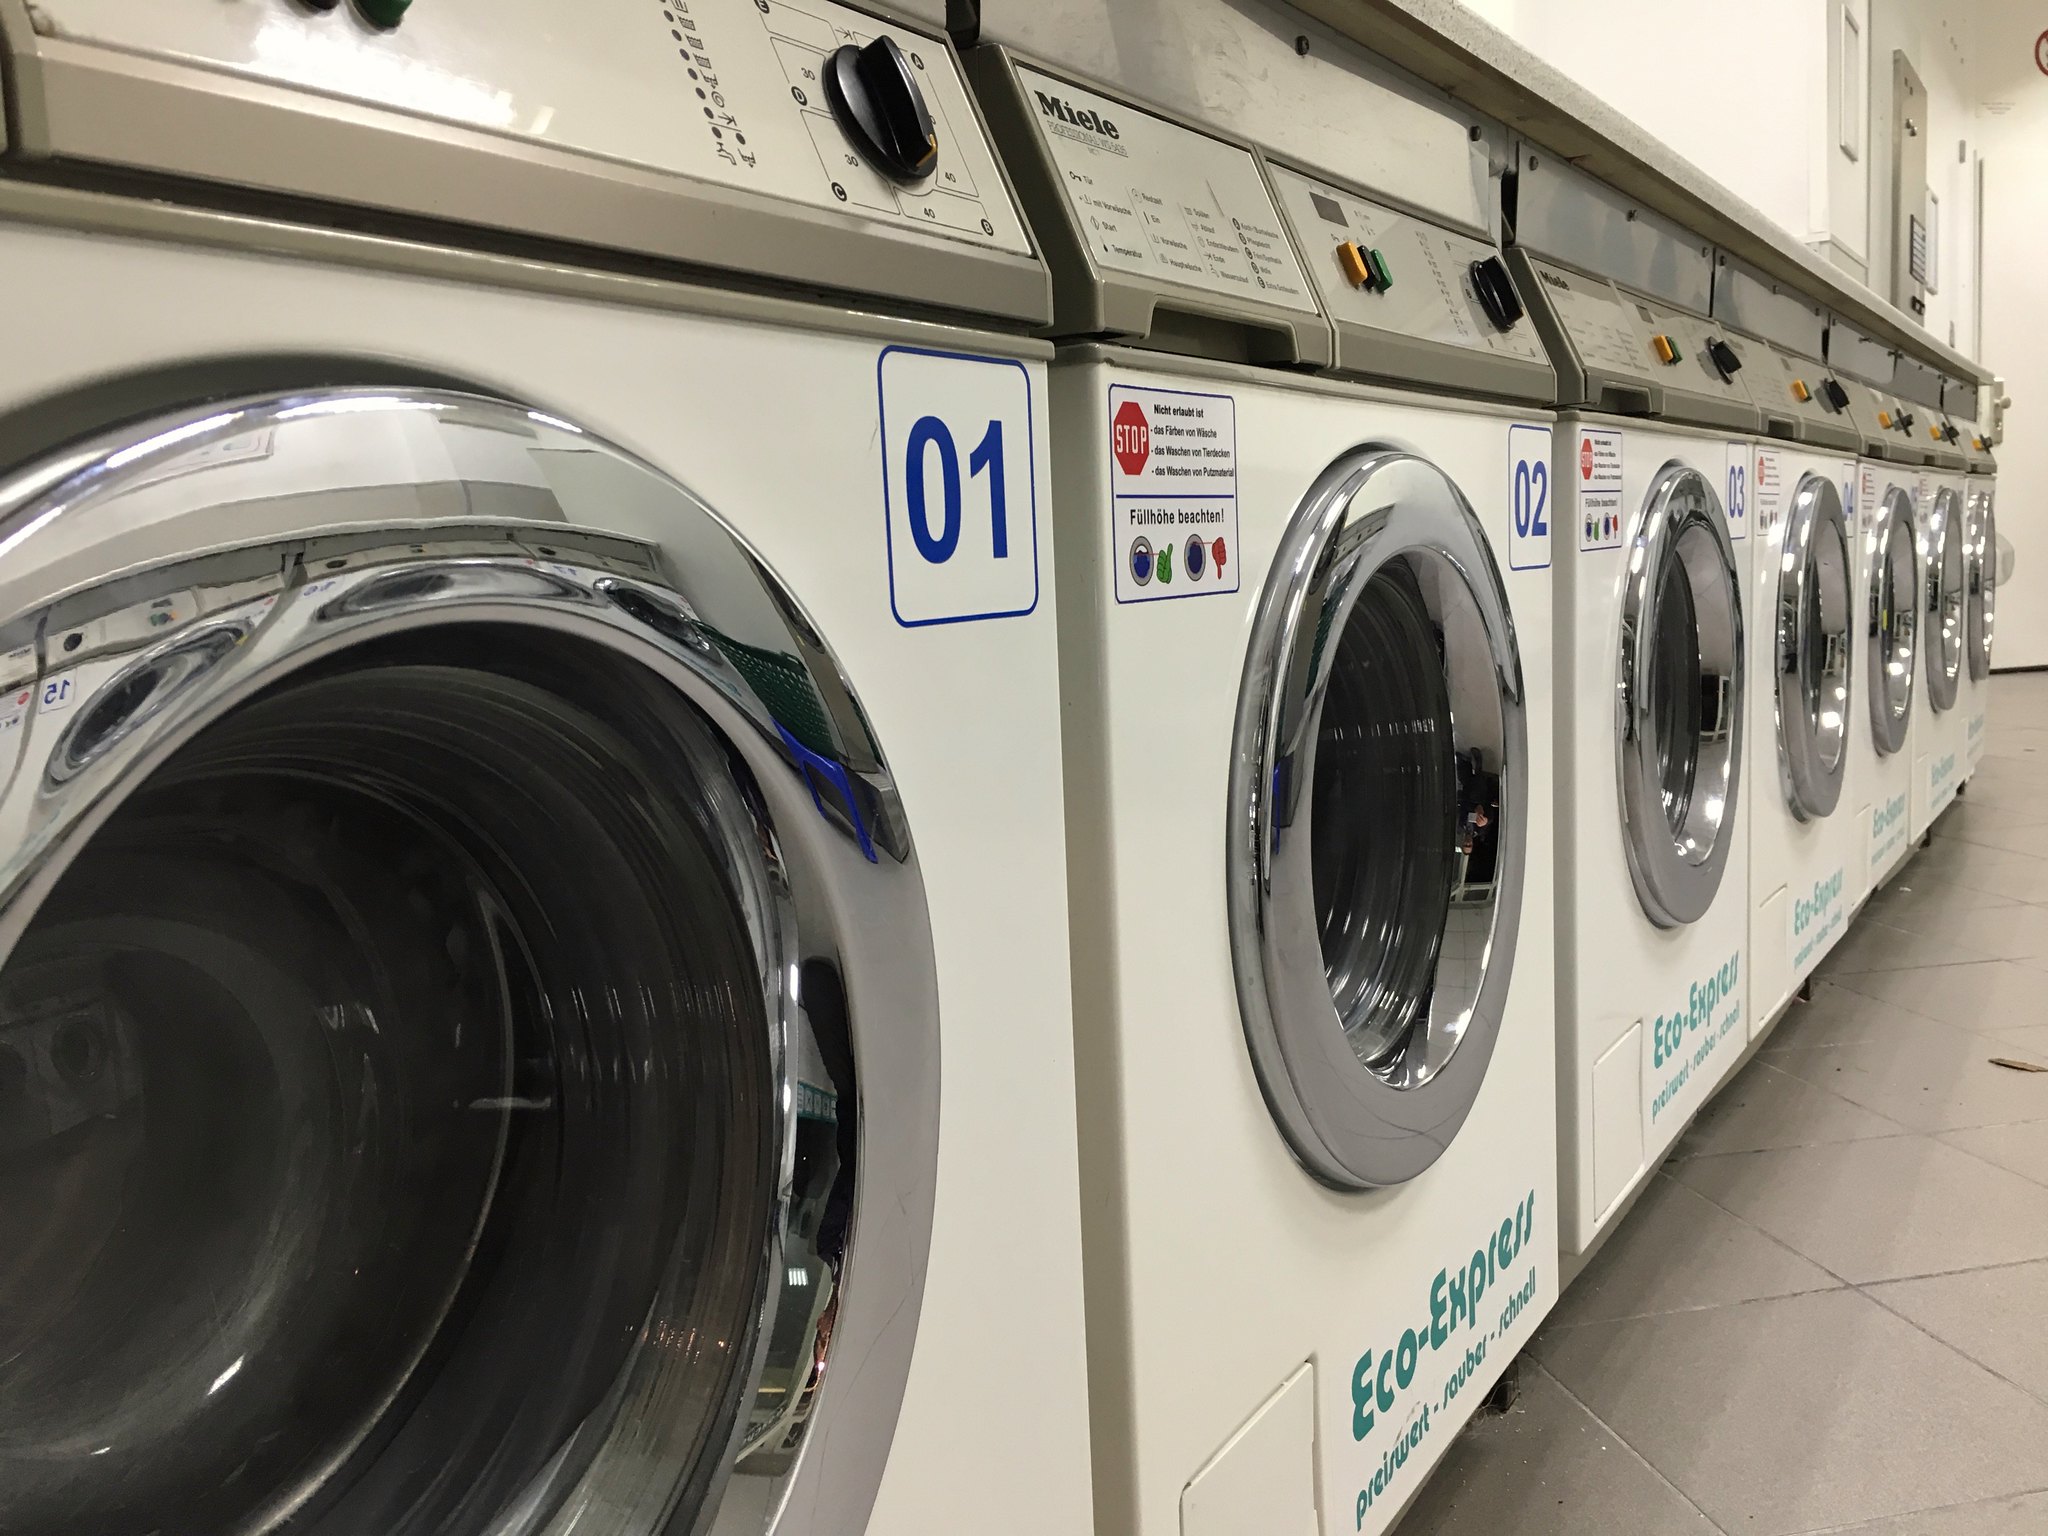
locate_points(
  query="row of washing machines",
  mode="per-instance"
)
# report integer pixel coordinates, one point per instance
(843, 779)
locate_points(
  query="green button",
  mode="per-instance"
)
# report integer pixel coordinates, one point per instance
(1382, 276)
(383, 13)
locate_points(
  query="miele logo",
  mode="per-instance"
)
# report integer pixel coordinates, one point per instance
(1554, 280)
(1093, 126)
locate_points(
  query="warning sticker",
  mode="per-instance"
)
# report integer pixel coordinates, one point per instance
(1767, 491)
(1866, 493)
(1173, 493)
(1599, 472)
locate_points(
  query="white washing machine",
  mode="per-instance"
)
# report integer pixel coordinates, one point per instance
(1889, 620)
(1651, 647)
(1980, 552)
(535, 987)
(1807, 867)
(1945, 540)
(1308, 759)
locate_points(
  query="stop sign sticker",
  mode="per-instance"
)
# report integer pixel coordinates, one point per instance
(1585, 458)
(1130, 437)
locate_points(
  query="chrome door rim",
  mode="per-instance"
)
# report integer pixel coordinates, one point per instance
(1894, 569)
(1676, 864)
(328, 561)
(1350, 1125)
(1945, 598)
(1982, 581)
(1812, 670)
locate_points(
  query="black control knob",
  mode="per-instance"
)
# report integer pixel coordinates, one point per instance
(879, 107)
(1948, 430)
(1724, 357)
(1496, 291)
(1905, 421)
(1834, 396)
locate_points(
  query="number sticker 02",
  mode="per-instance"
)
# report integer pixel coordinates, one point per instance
(1529, 498)
(959, 484)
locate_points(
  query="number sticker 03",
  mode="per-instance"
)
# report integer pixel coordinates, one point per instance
(1529, 498)
(960, 486)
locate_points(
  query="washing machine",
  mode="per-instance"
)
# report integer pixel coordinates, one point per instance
(1889, 625)
(535, 987)
(1651, 652)
(1943, 752)
(1807, 868)
(1308, 759)
(1960, 399)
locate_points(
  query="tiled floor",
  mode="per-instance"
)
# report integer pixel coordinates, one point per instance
(1829, 1313)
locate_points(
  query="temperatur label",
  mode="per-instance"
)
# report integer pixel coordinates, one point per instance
(1173, 493)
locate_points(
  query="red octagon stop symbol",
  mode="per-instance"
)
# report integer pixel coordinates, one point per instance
(1130, 437)
(1585, 458)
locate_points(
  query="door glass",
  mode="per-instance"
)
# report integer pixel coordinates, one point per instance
(1679, 702)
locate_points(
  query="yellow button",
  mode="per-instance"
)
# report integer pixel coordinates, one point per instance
(1799, 390)
(1666, 352)
(1884, 418)
(1351, 260)
(1979, 442)
(1935, 433)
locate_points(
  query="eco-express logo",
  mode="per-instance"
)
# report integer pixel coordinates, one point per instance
(1701, 999)
(1825, 894)
(1083, 123)
(1887, 816)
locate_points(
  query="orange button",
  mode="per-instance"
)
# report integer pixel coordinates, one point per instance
(1935, 433)
(1979, 442)
(1884, 418)
(1799, 390)
(1665, 351)
(1351, 260)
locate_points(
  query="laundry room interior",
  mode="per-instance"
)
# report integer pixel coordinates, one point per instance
(1034, 767)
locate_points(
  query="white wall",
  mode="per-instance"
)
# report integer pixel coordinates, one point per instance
(2012, 127)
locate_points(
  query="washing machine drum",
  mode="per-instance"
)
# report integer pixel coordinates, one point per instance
(1982, 581)
(1812, 648)
(1946, 617)
(1379, 804)
(1680, 698)
(421, 1109)
(1892, 622)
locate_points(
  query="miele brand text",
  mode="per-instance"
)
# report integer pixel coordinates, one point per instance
(1555, 281)
(1825, 894)
(1381, 1377)
(1077, 117)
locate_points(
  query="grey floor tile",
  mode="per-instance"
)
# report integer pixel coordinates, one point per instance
(1676, 1250)
(1991, 1315)
(1766, 1107)
(1993, 996)
(1793, 1414)
(1882, 1209)
(2009, 930)
(1872, 944)
(1989, 820)
(1547, 1467)
(1912, 893)
(2029, 1040)
(2024, 1515)
(1933, 1078)
(1838, 1014)
(2021, 1148)
(1999, 871)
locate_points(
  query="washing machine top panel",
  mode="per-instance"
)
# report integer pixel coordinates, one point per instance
(1633, 355)
(1964, 404)
(1882, 424)
(1413, 302)
(1797, 397)
(1157, 230)
(1762, 307)
(814, 145)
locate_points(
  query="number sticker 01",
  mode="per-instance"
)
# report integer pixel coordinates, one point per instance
(959, 486)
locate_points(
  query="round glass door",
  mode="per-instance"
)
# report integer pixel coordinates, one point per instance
(1812, 646)
(1379, 793)
(436, 970)
(1680, 697)
(1982, 578)
(1893, 625)
(1945, 617)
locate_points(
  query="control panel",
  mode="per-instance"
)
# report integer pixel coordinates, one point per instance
(1883, 424)
(1798, 397)
(1148, 222)
(609, 120)
(1413, 302)
(1697, 367)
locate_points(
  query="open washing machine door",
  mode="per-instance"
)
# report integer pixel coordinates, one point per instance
(1893, 624)
(1379, 790)
(1679, 698)
(1945, 598)
(468, 1037)
(1982, 582)
(1813, 646)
